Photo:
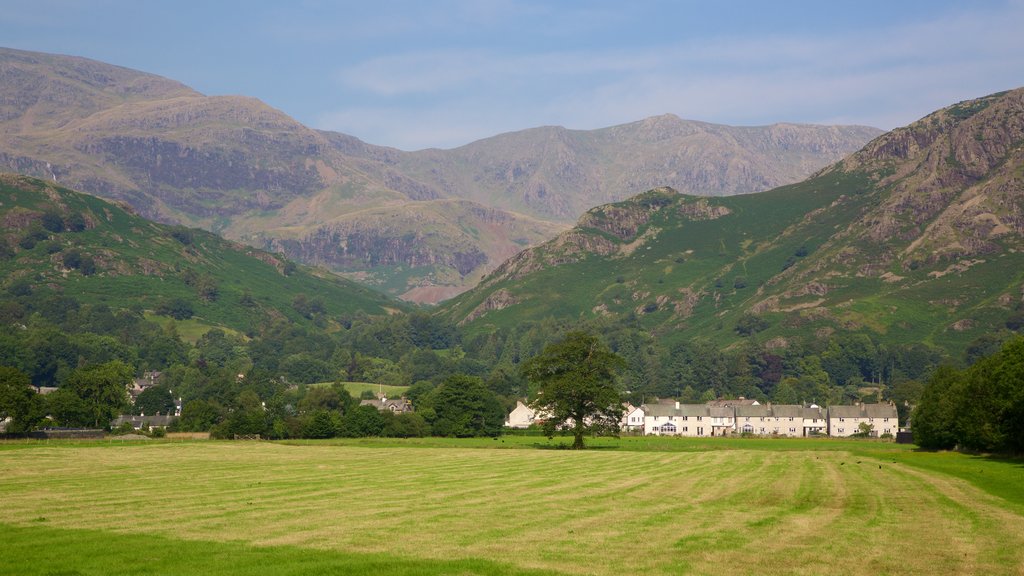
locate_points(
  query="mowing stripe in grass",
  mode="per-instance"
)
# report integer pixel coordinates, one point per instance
(596, 512)
(43, 551)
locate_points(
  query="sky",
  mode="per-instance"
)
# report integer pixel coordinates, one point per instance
(414, 74)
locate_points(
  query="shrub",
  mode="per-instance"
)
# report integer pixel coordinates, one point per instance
(750, 324)
(177, 308)
(53, 222)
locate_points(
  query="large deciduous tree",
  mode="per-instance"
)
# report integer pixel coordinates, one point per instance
(18, 401)
(465, 407)
(575, 386)
(104, 389)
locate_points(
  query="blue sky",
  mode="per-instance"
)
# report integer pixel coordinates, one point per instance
(442, 73)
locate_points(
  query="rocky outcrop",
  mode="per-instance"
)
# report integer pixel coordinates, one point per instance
(499, 300)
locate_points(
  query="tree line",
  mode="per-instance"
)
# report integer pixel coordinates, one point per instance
(979, 408)
(52, 339)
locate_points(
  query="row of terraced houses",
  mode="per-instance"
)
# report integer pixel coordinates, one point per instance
(723, 418)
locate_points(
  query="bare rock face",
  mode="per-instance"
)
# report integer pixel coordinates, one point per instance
(954, 180)
(499, 300)
(552, 172)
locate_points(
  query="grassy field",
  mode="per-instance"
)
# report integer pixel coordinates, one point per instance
(357, 388)
(437, 506)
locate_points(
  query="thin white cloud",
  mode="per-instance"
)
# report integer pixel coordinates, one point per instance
(884, 77)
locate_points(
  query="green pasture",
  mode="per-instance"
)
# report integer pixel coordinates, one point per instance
(357, 388)
(445, 506)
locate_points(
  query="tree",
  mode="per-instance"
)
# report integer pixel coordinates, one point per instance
(199, 416)
(17, 399)
(154, 400)
(575, 386)
(750, 324)
(362, 421)
(321, 424)
(67, 408)
(934, 419)
(104, 389)
(465, 407)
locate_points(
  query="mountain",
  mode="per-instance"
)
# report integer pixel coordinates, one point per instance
(64, 243)
(556, 173)
(917, 237)
(424, 225)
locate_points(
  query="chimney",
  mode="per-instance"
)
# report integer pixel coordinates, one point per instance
(677, 404)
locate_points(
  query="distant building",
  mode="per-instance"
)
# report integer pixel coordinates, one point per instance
(633, 420)
(398, 406)
(140, 422)
(522, 416)
(880, 419)
(678, 420)
(779, 420)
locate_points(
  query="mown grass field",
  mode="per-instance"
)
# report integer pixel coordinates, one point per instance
(435, 506)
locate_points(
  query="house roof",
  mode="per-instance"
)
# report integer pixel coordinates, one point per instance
(659, 409)
(863, 411)
(757, 411)
(157, 420)
(733, 402)
(778, 411)
(393, 404)
(721, 411)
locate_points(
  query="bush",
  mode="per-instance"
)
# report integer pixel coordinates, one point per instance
(123, 428)
(53, 222)
(177, 308)
(750, 324)
(182, 235)
(72, 259)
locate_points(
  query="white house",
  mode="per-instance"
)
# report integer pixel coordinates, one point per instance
(522, 416)
(633, 419)
(383, 404)
(677, 420)
(723, 420)
(792, 420)
(880, 419)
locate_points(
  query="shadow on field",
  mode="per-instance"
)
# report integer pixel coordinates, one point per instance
(40, 550)
(568, 446)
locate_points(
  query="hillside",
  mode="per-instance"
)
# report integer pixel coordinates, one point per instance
(56, 241)
(442, 219)
(918, 237)
(557, 173)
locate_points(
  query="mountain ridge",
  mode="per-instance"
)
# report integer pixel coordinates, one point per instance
(918, 236)
(234, 165)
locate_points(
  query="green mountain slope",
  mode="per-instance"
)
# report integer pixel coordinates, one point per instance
(76, 245)
(917, 237)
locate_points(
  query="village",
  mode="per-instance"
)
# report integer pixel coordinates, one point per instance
(666, 417)
(745, 417)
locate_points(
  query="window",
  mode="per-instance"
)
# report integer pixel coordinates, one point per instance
(668, 428)
(792, 430)
(748, 429)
